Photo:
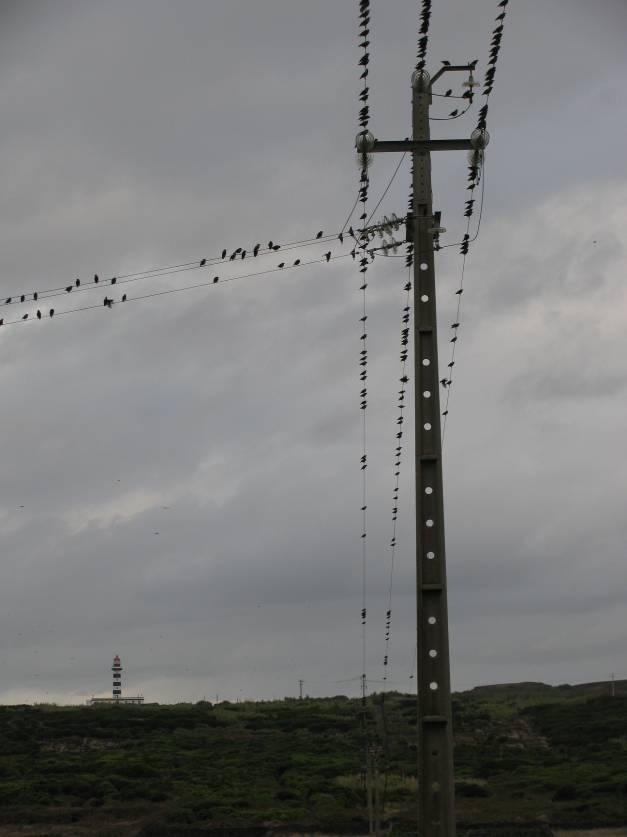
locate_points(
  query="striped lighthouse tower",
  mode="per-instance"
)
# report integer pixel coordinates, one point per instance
(116, 668)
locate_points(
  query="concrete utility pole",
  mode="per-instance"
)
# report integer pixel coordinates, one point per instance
(436, 787)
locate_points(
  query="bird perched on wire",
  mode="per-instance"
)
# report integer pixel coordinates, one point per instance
(96, 278)
(108, 303)
(297, 262)
(319, 234)
(256, 249)
(449, 92)
(51, 312)
(224, 254)
(327, 256)
(282, 264)
(215, 279)
(78, 283)
(68, 288)
(203, 262)
(123, 297)
(39, 315)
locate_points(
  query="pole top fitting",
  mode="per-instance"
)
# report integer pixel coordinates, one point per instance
(479, 139)
(364, 142)
(420, 80)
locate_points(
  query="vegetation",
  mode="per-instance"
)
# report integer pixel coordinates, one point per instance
(527, 754)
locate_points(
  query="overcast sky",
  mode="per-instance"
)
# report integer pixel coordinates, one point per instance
(226, 419)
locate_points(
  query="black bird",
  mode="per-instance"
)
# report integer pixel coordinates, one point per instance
(8, 302)
(341, 237)
(123, 297)
(107, 302)
(276, 247)
(328, 256)
(351, 232)
(296, 262)
(35, 295)
(215, 279)
(448, 92)
(224, 254)
(52, 312)
(1, 321)
(39, 315)
(256, 249)
(444, 61)
(459, 292)
(243, 254)
(114, 280)
(78, 283)
(25, 317)
(23, 297)
(501, 16)
(453, 113)
(69, 288)
(239, 250)
(232, 256)
(319, 235)
(282, 264)
(96, 279)
(270, 245)
(454, 325)
(203, 262)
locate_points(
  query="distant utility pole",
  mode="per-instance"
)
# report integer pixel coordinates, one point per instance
(613, 686)
(300, 688)
(436, 787)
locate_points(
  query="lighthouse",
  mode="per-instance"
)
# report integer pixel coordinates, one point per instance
(116, 668)
(116, 697)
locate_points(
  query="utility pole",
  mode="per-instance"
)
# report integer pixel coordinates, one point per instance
(300, 688)
(613, 686)
(436, 787)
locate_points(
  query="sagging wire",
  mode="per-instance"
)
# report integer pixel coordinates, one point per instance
(475, 172)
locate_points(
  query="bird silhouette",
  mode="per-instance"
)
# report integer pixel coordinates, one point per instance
(270, 245)
(297, 262)
(239, 250)
(25, 317)
(243, 254)
(39, 315)
(447, 63)
(8, 302)
(96, 278)
(327, 256)
(319, 234)
(52, 312)
(215, 279)
(107, 302)
(22, 298)
(256, 249)
(276, 247)
(224, 254)
(448, 92)
(78, 283)
(123, 297)
(1, 321)
(232, 256)
(341, 238)
(282, 264)
(114, 280)
(203, 262)
(35, 296)
(453, 113)
(459, 292)
(69, 288)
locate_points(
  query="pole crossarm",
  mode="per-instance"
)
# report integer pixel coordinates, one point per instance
(422, 145)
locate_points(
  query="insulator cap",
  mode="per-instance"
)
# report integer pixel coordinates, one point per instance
(420, 80)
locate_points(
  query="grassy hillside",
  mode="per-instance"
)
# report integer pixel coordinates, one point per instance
(524, 753)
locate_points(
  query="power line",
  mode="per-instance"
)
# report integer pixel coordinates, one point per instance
(79, 285)
(476, 174)
(216, 280)
(405, 316)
